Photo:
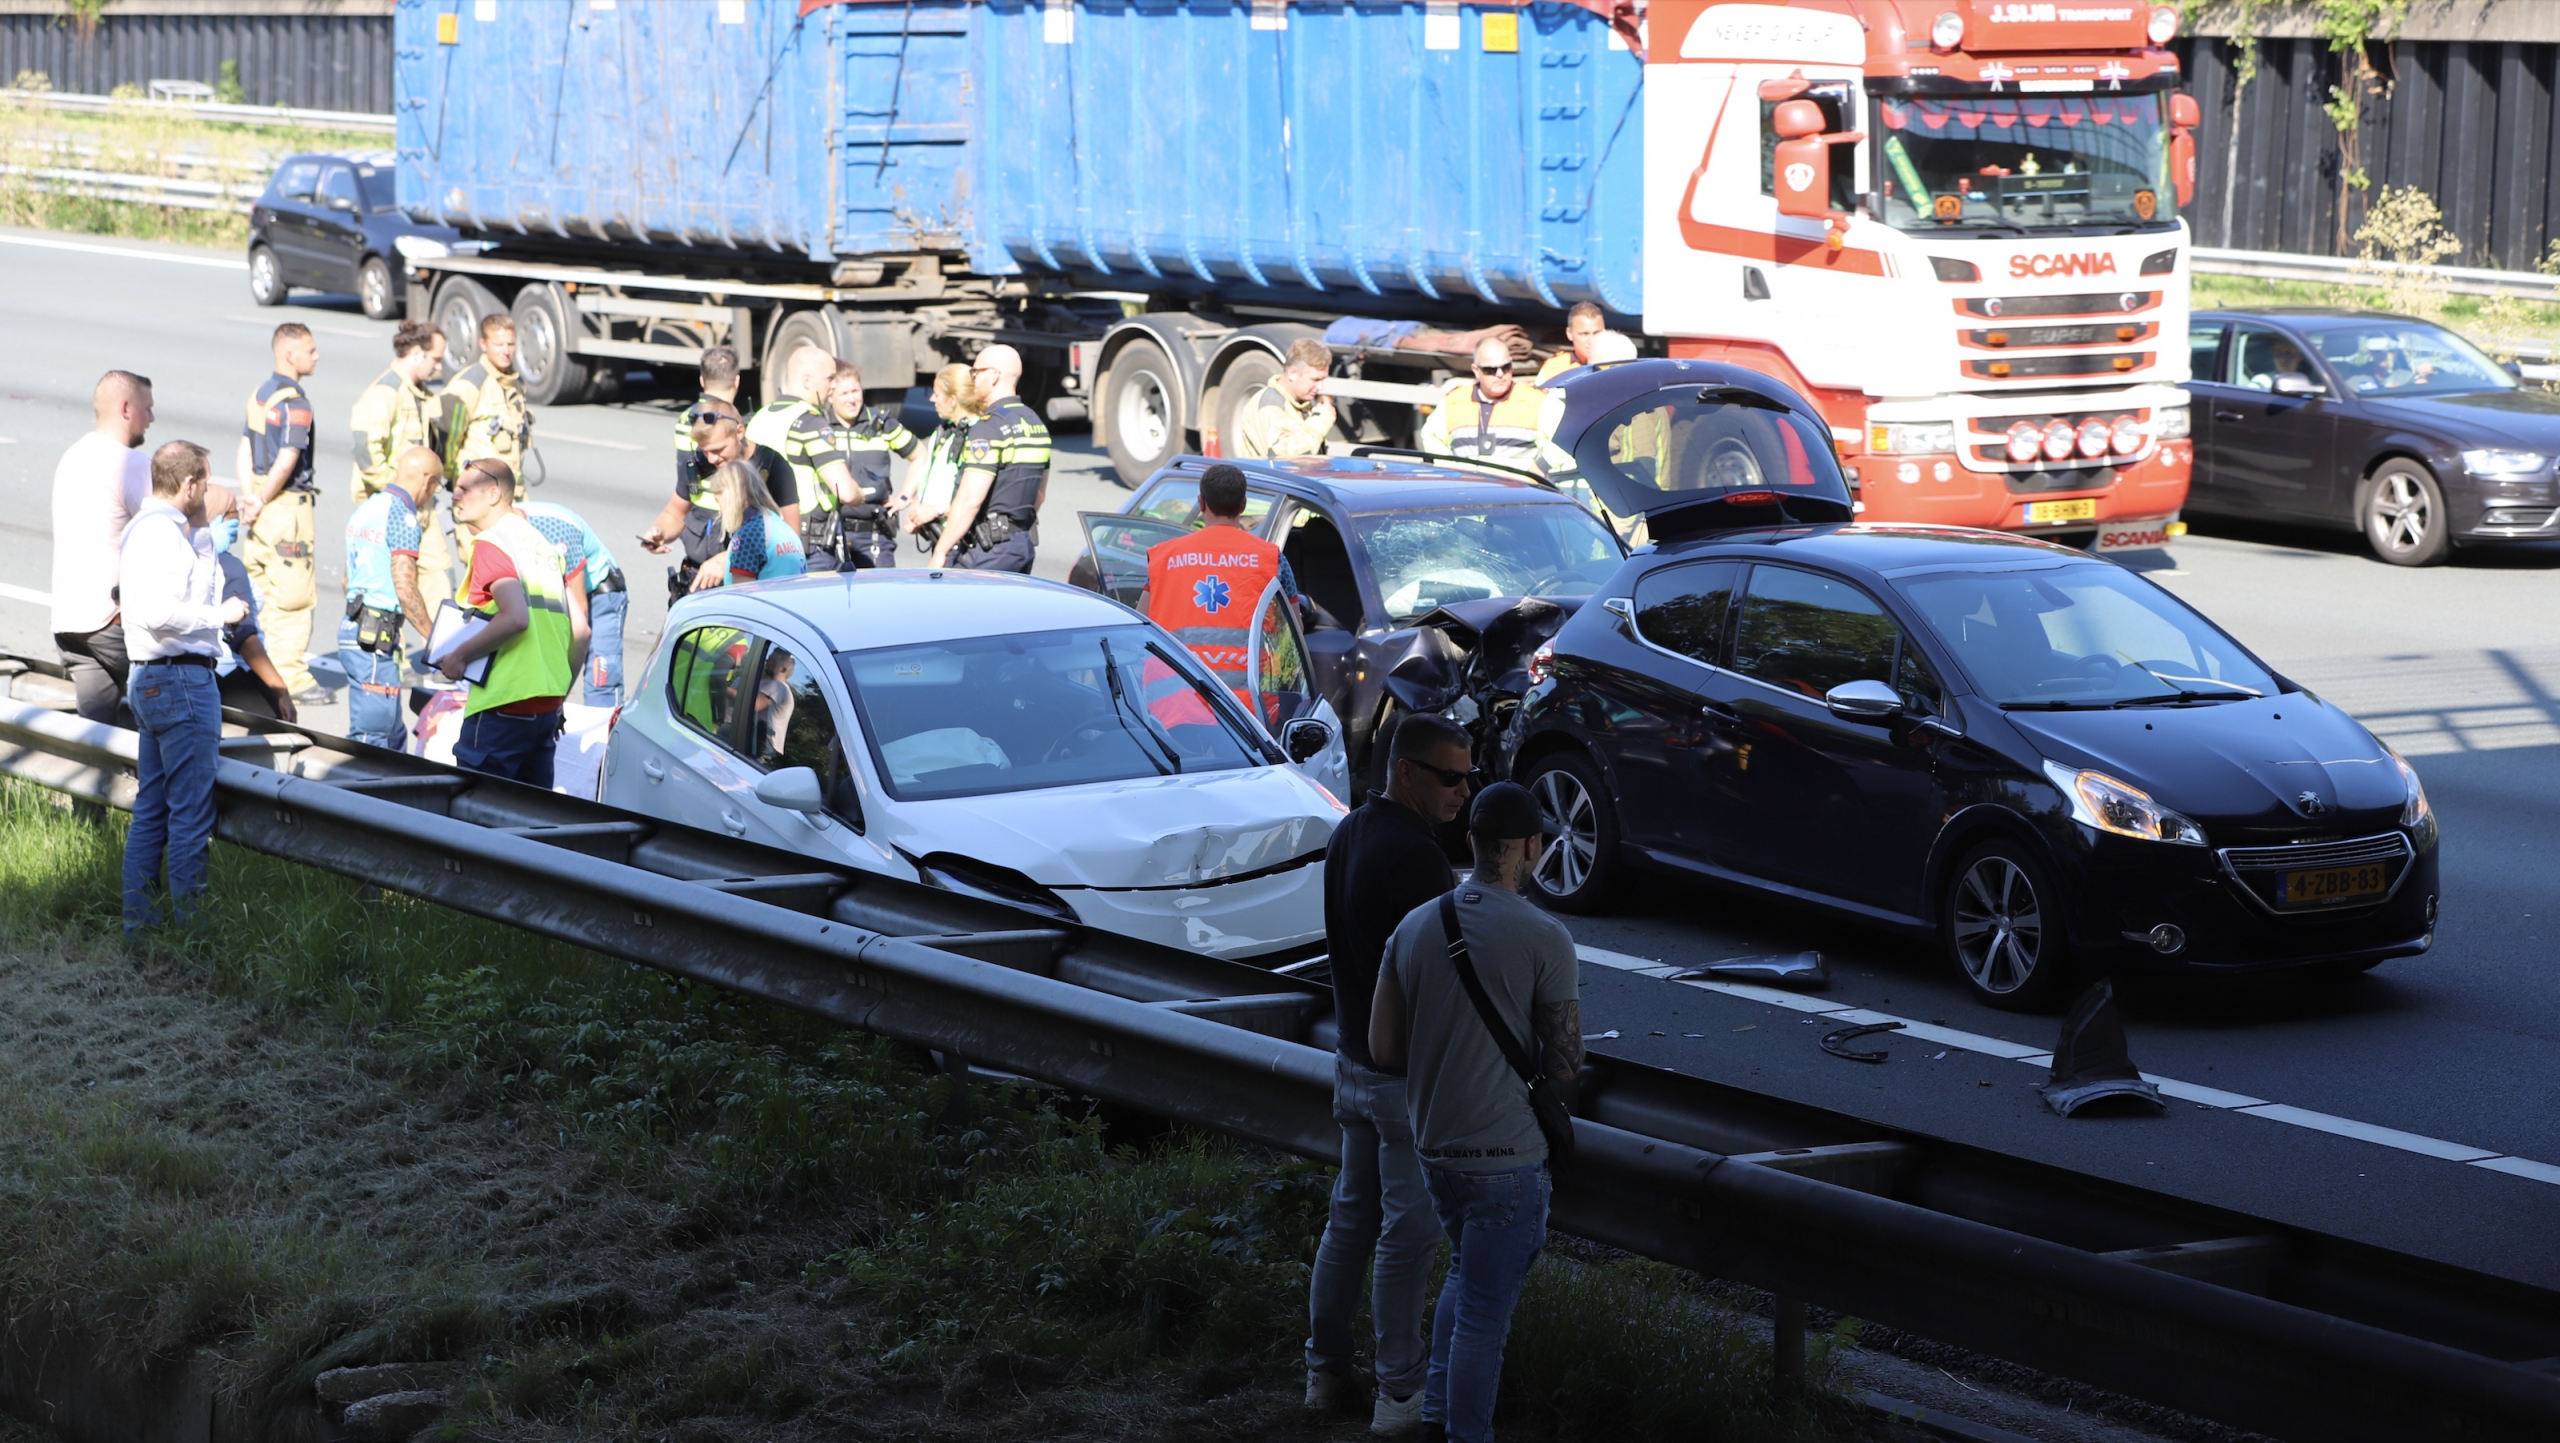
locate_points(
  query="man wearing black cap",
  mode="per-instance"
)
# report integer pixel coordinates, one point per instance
(1483, 1155)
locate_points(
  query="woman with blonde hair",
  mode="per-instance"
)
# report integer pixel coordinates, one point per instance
(935, 474)
(762, 545)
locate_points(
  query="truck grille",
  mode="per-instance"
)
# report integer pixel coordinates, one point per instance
(2262, 870)
(2024, 367)
(2090, 335)
(2106, 303)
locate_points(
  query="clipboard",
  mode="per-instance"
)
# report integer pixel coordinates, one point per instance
(453, 627)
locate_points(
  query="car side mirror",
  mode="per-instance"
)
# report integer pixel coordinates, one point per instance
(793, 789)
(1304, 738)
(2293, 383)
(1866, 701)
(2512, 367)
(340, 202)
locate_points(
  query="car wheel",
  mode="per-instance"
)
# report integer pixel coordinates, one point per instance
(1142, 411)
(551, 375)
(460, 303)
(2404, 516)
(266, 276)
(373, 290)
(1580, 866)
(2004, 929)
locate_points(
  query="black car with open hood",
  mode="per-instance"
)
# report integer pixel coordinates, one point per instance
(1699, 446)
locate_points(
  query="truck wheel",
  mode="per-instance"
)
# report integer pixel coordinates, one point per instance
(2404, 517)
(800, 328)
(1142, 407)
(552, 375)
(266, 276)
(459, 305)
(1245, 375)
(1580, 867)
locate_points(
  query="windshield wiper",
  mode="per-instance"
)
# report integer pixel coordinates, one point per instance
(2056, 705)
(1145, 732)
(2170, 697)
(2182, 692)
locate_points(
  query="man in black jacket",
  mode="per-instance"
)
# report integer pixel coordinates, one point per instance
(1382, 864)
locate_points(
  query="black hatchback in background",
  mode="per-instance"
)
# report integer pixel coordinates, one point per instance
(333, 223)
(2038, 758)
(2385, 424)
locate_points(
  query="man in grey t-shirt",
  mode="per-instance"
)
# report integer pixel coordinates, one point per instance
(1483, 1156)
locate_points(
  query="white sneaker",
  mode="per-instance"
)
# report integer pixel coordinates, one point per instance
(1327, 1389)
(1394, 1416)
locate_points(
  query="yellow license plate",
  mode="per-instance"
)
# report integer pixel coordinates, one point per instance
(2084, 509)
(2329, 886)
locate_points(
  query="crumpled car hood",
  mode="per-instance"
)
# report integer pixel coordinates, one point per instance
(1153, 832)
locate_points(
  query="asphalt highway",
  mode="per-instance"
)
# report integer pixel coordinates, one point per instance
(2407, 1107)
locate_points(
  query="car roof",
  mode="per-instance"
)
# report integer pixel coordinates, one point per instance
(2308, 317)
(1883, 549)
(1361, 485)
(378, 159)
(858, 610)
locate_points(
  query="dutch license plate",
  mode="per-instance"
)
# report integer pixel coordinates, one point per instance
(2328, 886)
(2084, 509)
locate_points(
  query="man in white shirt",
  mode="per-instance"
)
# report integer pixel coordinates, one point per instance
(98, 486)
(173, 619)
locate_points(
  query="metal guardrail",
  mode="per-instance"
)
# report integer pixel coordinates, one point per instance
(354, 120)
(2462, 280)
(162, 190)
(2114, 1293)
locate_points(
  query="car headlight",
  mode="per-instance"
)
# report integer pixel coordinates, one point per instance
(2503, 463)
(420, 247)
(2172, 423)
(2415, 814)
(2109, 805)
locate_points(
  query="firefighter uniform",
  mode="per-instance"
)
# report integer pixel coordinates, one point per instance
(390, 417)
(1012, 443)
(1470, 426)
(1556, 365)
(866, 534)
(1270, 423)
(279, 557)
(1205, 588)
(488, 419)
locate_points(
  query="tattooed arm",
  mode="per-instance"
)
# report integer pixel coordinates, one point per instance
(1558, 1026)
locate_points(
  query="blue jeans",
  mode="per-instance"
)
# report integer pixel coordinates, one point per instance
(179, 711)
(1380, 1204)
(505, 744)
(1497, 1223)
(603, 676)
(373, 692)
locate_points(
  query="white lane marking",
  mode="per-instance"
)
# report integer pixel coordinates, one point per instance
(589, 441)
(2213, 1097)
(21, 593)
(136, 255)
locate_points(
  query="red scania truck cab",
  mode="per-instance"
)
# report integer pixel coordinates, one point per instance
(1953, 224)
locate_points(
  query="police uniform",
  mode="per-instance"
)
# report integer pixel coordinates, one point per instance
(390, 417)
(703, 537)
(1012, 443)
(488, 419)
(585, 561)
(804, 437)
(1272, 423)
(1469, 426)
(684, 433)
(384, 526)
(1205, 588)
(280, 561)
(865, 531)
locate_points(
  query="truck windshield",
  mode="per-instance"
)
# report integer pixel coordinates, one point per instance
(2025, 162)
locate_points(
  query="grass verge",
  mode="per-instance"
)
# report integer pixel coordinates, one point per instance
(326, 1129)
(143, 141)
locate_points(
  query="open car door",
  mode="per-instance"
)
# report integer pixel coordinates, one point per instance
(1284, 691)
(1118, 545)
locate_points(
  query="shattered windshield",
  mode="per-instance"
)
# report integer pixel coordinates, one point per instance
(1428, 559)
(2025, 162)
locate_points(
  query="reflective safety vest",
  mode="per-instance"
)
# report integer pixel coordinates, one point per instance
(1171, 699)
(1204, 587)
(535, 663)
(1468, 426)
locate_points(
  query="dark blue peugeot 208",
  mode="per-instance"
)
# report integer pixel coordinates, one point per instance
(2041, 759)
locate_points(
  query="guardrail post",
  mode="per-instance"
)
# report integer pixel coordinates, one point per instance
(1788, 1342)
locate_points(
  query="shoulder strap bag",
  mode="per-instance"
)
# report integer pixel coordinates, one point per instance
(1547, 1097)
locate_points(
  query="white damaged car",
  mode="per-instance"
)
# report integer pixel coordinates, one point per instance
(1002, 736)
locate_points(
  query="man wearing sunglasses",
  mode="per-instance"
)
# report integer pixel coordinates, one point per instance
(692, 515)
(1381, 864)
(1490, 418)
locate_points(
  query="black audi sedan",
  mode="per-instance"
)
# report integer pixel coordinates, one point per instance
(333, 223)
(2357, 421)
(2038, 758)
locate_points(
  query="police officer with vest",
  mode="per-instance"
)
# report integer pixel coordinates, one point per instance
(395, 413)
(692, 515)
(1287, 416)
(484, 404)
(1490, 418)
(280, 499)
(866, 437)
(800, 430)
(534, 638)
(993, 524)
(589, 567)
(1206, 587)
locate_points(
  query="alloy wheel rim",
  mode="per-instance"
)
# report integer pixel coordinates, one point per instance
(1145, 416)
(1569, 858)
(2400, 505)
(1999, 925)
(263, 272)
(534, 353)
(377, 289)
